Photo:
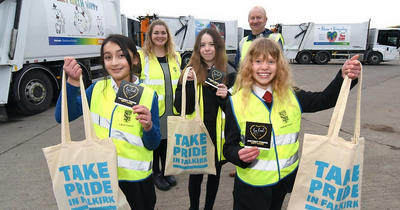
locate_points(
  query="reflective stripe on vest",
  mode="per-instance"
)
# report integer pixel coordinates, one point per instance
(245, 44)
(220, 145)
(282, 159)
(155, 78)
(110, 120)
(116, 134)
(133, 164)
(276, 37)
(220, 125)
(265, 165)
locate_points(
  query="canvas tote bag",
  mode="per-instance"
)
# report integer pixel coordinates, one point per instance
(330, 169)
(84, 173)
(189, 147)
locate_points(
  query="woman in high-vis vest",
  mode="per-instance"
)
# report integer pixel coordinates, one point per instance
(209, 51)
(264, 176)
(161, 71)
(135, 130)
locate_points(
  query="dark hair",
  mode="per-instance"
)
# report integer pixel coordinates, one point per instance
(126, 44)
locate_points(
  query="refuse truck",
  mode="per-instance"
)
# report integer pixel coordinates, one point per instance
(184, 29)
(35, 36)
(321, 43)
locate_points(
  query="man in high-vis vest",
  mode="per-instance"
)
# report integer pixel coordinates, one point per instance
(257, 20)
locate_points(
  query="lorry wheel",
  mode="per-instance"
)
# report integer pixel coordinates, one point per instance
(304, 57)
(322, 57)
(374, 58)
(35, 92)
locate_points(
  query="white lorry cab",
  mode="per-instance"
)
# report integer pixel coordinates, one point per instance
(35, 37)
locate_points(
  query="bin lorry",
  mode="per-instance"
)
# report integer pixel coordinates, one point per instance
(185, 29)
(35, 36)
(321, 43)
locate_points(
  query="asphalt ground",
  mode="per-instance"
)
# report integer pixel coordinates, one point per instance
(25, 180)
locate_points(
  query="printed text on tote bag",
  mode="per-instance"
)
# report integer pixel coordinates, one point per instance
(334, 186)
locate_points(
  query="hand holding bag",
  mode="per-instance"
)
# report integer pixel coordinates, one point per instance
(84, 173)
(189, 147)
(330, 169)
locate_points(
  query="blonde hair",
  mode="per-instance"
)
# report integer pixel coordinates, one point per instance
(148, 48)
(281, 83)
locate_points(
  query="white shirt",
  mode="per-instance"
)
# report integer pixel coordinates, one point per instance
(260, 92)
(114, 84)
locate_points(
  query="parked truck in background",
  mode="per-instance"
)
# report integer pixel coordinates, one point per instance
(321, 43)
(35, 36)
(184, 29)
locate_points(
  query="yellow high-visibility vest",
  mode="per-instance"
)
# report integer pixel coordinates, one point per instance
(282, 159)
(244, 44)
(111, 120)
(152, 75)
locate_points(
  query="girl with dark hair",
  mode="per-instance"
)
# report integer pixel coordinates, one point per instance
(135, 130)
(209, 51)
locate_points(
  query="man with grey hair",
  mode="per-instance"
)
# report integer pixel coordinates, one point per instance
(257, 20)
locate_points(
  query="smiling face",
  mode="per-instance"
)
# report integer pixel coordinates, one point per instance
(115, 62)
(207, 49)
(159, 35)
(257, 20)
(264, 71)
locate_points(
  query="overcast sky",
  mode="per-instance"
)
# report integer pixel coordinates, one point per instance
(383, 13)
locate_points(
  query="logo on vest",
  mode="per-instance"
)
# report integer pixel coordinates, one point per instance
(284, 116)
(127, 115)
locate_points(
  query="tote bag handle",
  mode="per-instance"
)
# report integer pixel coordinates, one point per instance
(183, 103)
(87, 118)
(338, 112)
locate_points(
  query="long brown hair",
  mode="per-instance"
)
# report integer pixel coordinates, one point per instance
(198, 63)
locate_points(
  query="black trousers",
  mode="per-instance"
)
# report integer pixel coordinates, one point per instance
(195, 181)
(160, 154)
(246, 197)
(140, 195)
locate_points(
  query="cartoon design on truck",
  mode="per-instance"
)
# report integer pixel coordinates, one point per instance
(220, 27)
(31, 56)
(60, 20)
(81, 20)
(100, 26)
